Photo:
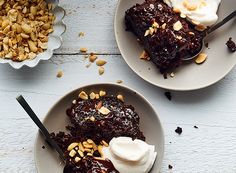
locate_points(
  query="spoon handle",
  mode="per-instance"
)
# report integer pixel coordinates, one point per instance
(42, 128)
(225, 20)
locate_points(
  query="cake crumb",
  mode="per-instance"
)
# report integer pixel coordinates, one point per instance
(231, 45)
(168, 95)
(43, 147)
(170, 166)
(196, 127)
(179, 130)
(59, 74)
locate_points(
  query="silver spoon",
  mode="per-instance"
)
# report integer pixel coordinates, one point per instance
(40, 125)
(209, 31)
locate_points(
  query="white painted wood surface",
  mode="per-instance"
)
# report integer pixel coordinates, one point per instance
(209, 149)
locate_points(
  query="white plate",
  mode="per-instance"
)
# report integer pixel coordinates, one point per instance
(56, 120)
(189, 76)
(54, 40)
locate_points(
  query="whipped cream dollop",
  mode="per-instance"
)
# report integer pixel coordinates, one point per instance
(130, 156)
(199, 12)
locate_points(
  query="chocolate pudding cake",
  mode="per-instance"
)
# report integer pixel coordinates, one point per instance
(164, 34)
(94, 122)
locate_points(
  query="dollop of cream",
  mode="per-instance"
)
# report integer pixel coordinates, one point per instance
(130, 156)
(199, 12)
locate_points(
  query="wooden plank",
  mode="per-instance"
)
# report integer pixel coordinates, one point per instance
(95, 18)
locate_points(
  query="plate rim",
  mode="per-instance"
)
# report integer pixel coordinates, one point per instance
(95, 85)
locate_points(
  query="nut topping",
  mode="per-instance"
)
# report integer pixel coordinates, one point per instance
(103, 110)
(120, 97)
(201, 58)
(83, 95)
(177, 26)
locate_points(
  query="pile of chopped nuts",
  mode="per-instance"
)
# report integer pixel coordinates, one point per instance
(84, 96)
(79, 150)
(24, 28)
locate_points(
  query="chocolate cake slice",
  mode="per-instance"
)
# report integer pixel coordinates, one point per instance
(166, 36)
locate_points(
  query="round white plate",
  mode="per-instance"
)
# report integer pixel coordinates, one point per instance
(47, 160)
(189, 76)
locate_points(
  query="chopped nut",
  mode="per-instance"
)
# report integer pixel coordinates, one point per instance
(77, 159)
(189, 6)
(92, 95)
(81, 153)
(155, 25)
(92, 58)
(81, 34)
(87, 145)
(83, 95)
(178, 37)
(103, 110)
(100, 149)
(119, 81)
(100, 62)
(99, 158)
(32, 46)
(87, 150)
(105, 143)
(83, 49)
(144, 56)
(183, 15)
(176, 10)
(191, 33)
(89, 154)
(90, 141)
(201, 58)
(72, 146)
(101, 70)
(177, 26)
(151, 30)
(163, 26)
(81, 147)
(102, 93)
(120, 97)
(59, 74)
(26, 28)
(172, 74)
(200, 27)
(97, 96)
(92, 118)
(147, 32)
(72, 153)
(195, 22)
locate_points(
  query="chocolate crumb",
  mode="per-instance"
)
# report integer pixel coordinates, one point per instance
(165, 75)
(170, 166)
(43, 147)
(168, 95)
(231, 45)
(207, 45)
(196, 127)
(179, 130)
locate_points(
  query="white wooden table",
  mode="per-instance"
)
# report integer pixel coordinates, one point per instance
(211, 148)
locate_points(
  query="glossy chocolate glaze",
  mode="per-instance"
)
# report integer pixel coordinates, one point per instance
(164, 47)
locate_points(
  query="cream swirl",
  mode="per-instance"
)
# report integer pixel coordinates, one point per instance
(130, 156)
(200, 12)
